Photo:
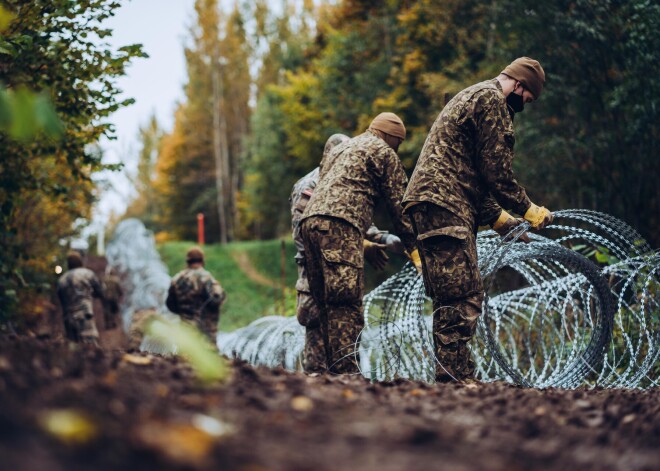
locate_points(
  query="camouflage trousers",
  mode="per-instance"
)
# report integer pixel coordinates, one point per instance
(80, 327)
(309, 316)
(447, 247)
(110, 314)
(335, 264)
(206, 322)
(139, 322)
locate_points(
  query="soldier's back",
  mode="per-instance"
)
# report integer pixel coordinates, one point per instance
(76, 289)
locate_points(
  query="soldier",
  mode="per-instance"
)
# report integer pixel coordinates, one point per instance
(353, 178)
(75, 289)
(463, 172)
(112, 294)
(139, 321)
(196, 296)
(307, 310)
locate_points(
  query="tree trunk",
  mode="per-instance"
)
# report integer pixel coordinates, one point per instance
(220, 151)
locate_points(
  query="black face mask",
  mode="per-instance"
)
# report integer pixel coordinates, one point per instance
(515, 102)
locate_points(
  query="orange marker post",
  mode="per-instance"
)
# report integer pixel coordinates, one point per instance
(200, 228)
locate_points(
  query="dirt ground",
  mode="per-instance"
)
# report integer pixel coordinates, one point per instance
(71, 407)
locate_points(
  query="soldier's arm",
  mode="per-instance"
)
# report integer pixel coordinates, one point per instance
(61, 295)
(495, 155)
(97, 289)
(215, 292)
(171, 301)
(489, 211)
(393, 185)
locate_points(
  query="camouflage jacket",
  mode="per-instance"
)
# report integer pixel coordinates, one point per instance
(112, 288)
(354, 177)
(76, 288)
(300, 194)
(194, 291)
(468, 156)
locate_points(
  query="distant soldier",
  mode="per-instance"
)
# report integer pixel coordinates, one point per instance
(354, 177)
(75, 289)
(112, 294)
(307, 311)
(196, 296)
(139, 322)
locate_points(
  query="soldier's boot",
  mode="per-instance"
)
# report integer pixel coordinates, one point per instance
(88, 331)
(344, 324)
(454, 326)
(314, 351)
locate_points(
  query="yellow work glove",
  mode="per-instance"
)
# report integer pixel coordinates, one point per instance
(506, 223)
(415, 259)
(538, 216)
(375, 254)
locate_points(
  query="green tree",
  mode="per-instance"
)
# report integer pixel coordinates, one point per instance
(146, 205)
(55, 49)
(591, 141)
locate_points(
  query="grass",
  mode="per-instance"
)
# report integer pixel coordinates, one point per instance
(248, 300)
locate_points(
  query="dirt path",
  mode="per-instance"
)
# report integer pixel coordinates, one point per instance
(243, 261)
(66, 407)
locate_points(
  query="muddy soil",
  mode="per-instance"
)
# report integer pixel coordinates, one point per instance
(71, 407)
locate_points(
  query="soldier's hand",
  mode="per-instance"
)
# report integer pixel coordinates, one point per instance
(538, 216)
(416, 260)
(393, 244)
(506, 223)
(375, 254)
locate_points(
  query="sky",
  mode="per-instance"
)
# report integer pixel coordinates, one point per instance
(156, 84)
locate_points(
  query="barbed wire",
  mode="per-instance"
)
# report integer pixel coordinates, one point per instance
(551, 316)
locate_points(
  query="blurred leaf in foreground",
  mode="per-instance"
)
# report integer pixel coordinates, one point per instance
(193, 346)
(70, 426)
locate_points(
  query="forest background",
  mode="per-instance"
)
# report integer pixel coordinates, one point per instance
(266, 87)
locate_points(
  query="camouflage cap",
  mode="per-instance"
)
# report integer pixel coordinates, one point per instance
(195, 255)
(528, 72)
(333, 141)
(74, 259)
(389, 123)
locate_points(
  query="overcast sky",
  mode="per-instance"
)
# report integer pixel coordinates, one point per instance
(156, 83)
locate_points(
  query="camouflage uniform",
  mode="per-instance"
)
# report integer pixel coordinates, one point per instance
(307, 311)
(353, 178)
(112, 293)
(463, 172)
(76, 288)
(196, 296)
(139, 322)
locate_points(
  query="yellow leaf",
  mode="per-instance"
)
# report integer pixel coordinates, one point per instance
(136, 359)
(69, 426)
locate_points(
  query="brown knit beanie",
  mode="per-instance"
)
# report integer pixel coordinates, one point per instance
(528, 72)
(195, 255)
(389, 123)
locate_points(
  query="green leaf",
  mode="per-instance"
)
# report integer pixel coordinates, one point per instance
(193, 346)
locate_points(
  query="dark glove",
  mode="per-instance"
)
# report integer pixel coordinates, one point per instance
(393, 244)
(375, 254)
(506, 223)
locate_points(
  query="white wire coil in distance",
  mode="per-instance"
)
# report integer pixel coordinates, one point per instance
(144, 278)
